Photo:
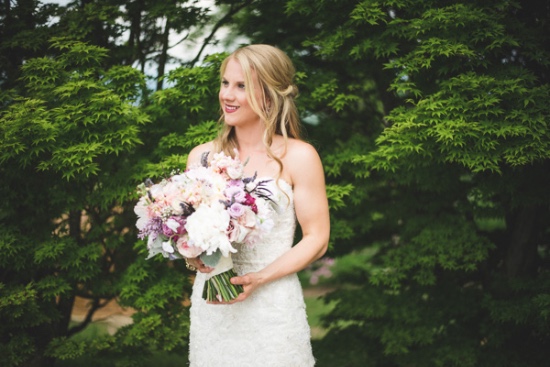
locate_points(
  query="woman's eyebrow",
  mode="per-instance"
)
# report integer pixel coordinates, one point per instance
(237, 81)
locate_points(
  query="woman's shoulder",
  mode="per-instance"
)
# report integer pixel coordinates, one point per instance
(196, 153)
(300, 158)
(300, 150)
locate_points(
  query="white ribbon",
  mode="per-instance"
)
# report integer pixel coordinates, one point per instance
(225, 264)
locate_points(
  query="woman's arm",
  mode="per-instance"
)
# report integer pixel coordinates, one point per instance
(311, 205)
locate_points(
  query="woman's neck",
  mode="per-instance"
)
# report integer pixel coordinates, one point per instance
(250, 139)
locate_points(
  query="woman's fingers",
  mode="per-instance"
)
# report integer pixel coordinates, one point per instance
(202, 267)
(199, 265)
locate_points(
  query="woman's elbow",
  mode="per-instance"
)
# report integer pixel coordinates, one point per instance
(323, 246)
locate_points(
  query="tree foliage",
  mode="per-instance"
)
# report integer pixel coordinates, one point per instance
(431, 118)
(79, 130)
(73, 150)
(24, 33)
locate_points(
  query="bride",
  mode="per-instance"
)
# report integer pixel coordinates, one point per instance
(266, 325)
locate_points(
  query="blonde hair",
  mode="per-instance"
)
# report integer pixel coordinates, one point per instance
(275, 73)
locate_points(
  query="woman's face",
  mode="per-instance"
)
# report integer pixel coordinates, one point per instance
(236, 109)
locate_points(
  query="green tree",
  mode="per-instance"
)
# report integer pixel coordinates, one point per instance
(144, 33)
(24, 32)
(451, 267)
(139, 33)
(64, 165)
(78, 132)
(58, 141)
(75, 144)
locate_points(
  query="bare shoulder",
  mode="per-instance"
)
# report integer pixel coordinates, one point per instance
(301, 151)
(301, 160)
(196, 153)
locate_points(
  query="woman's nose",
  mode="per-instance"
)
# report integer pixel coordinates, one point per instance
(226, 93)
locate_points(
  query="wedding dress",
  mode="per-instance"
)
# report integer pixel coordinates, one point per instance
(269, 328)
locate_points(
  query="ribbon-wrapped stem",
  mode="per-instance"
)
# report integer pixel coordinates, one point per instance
(218, 286)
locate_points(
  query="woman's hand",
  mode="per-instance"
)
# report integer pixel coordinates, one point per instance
(197, 263)
(249, 281)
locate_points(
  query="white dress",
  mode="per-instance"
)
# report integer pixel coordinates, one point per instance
(269, 328)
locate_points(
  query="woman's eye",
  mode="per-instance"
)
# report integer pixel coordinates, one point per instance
(225, 83)
(241, 86)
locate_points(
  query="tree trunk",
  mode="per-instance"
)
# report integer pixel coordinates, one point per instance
(75, 216)
(134, 39)
(521, 252)
(7, 7)
(163, 57)
(40, 361)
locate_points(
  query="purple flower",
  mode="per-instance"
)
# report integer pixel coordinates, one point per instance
(237, 183)
(236, 210)
(173, 226)
(152, 228)
(235, 193)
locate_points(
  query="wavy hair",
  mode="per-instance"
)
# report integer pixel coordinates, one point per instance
(275, 73)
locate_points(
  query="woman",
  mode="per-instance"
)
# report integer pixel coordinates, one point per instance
(266, 325)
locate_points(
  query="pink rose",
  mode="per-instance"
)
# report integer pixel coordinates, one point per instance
(237, 233)
(235, 192)
(236, 210)
(248, 219)
(185, 250)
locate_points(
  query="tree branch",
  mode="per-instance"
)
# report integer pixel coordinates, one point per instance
(225, 19)
(180, 41)
(96, 305)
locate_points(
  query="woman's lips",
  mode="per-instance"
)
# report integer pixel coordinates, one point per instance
(230, 109)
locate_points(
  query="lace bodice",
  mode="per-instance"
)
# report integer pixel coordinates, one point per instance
(255, 258)
(270, 327)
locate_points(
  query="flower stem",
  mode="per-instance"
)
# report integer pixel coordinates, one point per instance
(219, 287)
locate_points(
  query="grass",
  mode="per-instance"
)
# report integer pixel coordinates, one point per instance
(160, 359)
(92, 331)
(316, 308)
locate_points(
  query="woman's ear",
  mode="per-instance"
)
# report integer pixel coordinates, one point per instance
(267, 102)
(267, 99)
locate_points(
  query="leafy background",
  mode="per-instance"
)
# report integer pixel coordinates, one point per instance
(431, 118)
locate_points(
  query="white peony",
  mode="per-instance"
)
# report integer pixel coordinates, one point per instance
(207, 229)
(235, 172)
(208, 184)
(198, 173)
(142, 213)
(157, 191)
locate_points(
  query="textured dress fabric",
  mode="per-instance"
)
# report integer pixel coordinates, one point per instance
(269, 328)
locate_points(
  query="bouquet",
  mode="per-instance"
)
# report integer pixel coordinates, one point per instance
(204, 212)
